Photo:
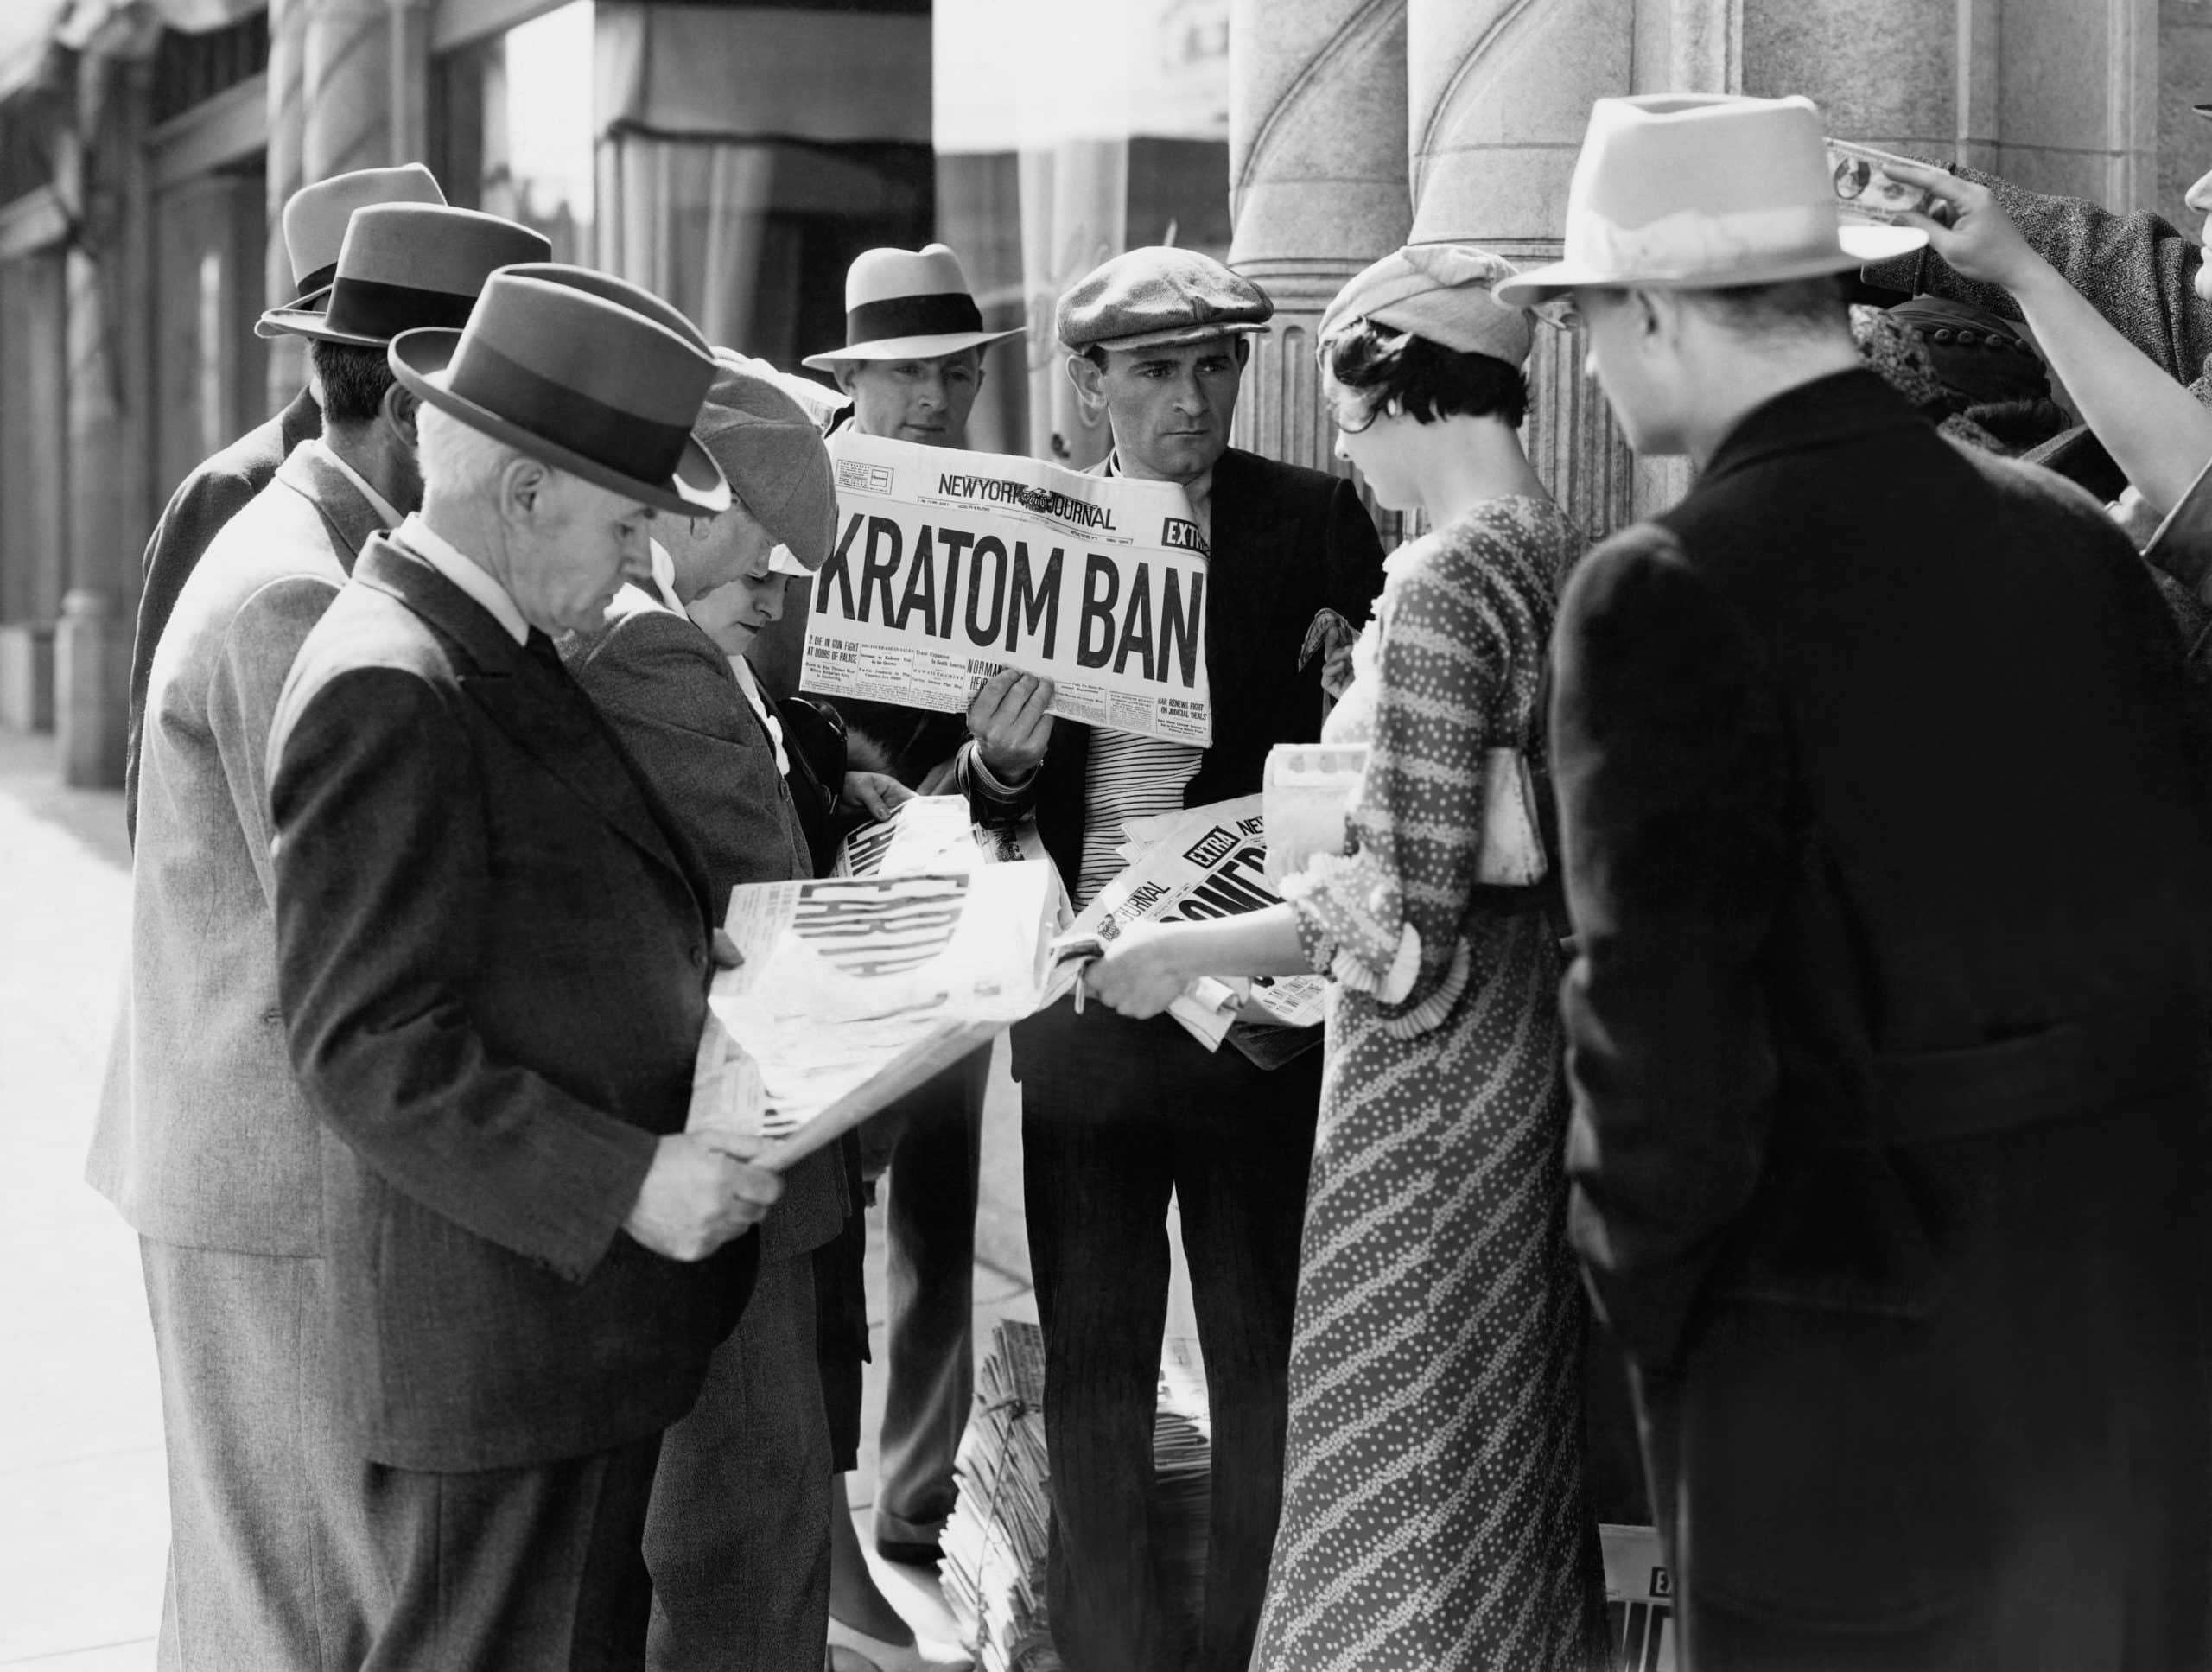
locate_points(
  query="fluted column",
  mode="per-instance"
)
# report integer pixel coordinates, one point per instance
(284, 170)
(346, 70)
(1317, 188)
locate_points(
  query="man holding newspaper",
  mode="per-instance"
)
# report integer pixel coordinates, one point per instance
(1120, 1116)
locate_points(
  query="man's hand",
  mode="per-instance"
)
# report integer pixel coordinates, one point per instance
(695, 1198)
(1009, 724)
(1139, 975)
(1981, 242)
(874, 793)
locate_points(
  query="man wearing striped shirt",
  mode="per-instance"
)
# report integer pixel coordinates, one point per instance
(1120, 1116)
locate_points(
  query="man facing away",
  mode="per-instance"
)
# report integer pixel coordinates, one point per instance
(211, 1151)
(1120, 1116)
(1889, 875)
(492, 955)
(315, 218)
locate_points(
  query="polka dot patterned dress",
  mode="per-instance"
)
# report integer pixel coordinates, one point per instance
(1433, 1513)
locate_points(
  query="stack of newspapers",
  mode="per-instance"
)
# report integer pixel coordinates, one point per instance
(855, 987)
(996, 1539)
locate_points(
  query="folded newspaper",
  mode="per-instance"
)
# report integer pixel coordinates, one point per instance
(857, 987)
(1203, 862)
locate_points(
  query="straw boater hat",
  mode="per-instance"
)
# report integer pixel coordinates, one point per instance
(1693, 192)
(315, 218)
(907, 305)
(405, 266)
(580, 373)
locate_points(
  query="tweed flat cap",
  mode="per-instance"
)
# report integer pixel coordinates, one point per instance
(769, 446)
(1440, 291)
(1158, 296)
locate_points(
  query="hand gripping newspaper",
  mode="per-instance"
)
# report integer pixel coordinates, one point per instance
(929, 939)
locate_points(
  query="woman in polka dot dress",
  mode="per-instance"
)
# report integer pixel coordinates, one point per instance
(1434, 1514)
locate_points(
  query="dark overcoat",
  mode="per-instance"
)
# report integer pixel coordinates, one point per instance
(492, 960)
(1890, 876)
(217, 489)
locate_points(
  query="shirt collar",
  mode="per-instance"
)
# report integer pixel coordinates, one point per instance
(389, 515)
(464, 572)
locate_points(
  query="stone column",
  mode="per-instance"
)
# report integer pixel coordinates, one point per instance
(287, 357)
(1317, 188)
(347, 71)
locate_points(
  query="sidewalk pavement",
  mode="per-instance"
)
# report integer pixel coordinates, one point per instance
(83, 1497)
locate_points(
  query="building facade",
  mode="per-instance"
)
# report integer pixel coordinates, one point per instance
(735, 157)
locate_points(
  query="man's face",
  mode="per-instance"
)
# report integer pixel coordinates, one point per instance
(924, 401)
(2200, 200)
(577, 542)
(1624, 358)
(1170, 407)
(725, 577)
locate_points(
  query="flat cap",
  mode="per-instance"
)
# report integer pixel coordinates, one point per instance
(1440, 291)
(1158, 296)
(768, 446)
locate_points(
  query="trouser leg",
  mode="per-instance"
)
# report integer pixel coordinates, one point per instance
(929, 1219)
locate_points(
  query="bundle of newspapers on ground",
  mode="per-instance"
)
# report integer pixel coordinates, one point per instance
(995, 1542)
(933, 936)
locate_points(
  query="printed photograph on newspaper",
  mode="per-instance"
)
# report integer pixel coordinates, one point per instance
(950, 565)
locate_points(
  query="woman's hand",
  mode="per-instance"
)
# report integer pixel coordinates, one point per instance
(875, 794)
(1980, 241)
(1140, 975)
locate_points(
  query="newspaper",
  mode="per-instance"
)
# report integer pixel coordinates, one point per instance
(1203, 862)
(950, 565)
(932, 832)
(1864, 193)
(1639, 1600)
(855, 989)
(2182, 544)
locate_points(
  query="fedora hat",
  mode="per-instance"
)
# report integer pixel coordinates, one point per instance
(773, 453)
(1697, 192)
(315, 219)
(907, 305)
(576, 369)
(405, 266)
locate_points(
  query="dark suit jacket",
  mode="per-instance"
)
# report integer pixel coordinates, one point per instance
(492, 963)
(214, 493)
(1890, 876)
(667, 690)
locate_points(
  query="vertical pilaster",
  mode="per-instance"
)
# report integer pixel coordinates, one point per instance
(284, 170)
(1317, 188)
(347, 77)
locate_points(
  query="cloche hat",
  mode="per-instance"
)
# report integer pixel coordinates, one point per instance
(316, 215)
(1440, 291)
(407, 264)
(1698, 192)
(576, 369)
(907, 305)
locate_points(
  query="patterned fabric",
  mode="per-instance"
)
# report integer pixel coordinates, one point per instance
(1434, 1514)
(1127, 777)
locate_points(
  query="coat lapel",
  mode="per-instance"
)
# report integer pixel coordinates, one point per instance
(1249, 531)
(344, 509)
(541, 711)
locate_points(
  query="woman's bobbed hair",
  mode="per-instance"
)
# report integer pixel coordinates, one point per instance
(1425, 379)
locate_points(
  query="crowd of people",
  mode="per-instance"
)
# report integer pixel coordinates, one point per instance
(1780, 935)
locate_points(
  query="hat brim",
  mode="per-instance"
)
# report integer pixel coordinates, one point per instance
(909, 348)
(1174, 336)
(1860, 247)
(698, 488)
(312, 324)
(280, 322)
(2204, 111)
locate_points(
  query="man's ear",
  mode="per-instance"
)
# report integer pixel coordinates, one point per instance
(1089, 380)
(397, 409)
(844, 372)
(1243, 350)
(523, 483)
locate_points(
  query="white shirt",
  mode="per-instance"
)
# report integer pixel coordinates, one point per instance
(389, 516)
(464, 572)
(746, 683)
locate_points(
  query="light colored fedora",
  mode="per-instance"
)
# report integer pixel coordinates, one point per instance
(1698, 192)
(907, 305)
(572, 374)
(315, 218)
(405, 266)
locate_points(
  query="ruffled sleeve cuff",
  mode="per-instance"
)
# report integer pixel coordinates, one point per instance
(1351, 925)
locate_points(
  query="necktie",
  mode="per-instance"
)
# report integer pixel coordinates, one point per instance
(541, 646)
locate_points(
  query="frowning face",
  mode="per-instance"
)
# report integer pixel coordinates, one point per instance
(579, 543)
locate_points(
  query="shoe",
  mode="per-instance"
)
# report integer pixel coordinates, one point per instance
(910, 1553)
(886, 1656)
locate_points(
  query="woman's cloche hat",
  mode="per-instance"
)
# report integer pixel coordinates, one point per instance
(1700, 192)
(1440, 291)
(579, 369)
(907, 305)
(317, 215)
(406, 265)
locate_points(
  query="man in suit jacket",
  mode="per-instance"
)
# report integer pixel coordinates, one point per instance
(210, 1151)
(218, 488)
(738, 1537)
(1889, 873)
(492, 955)
(1117, 1115)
